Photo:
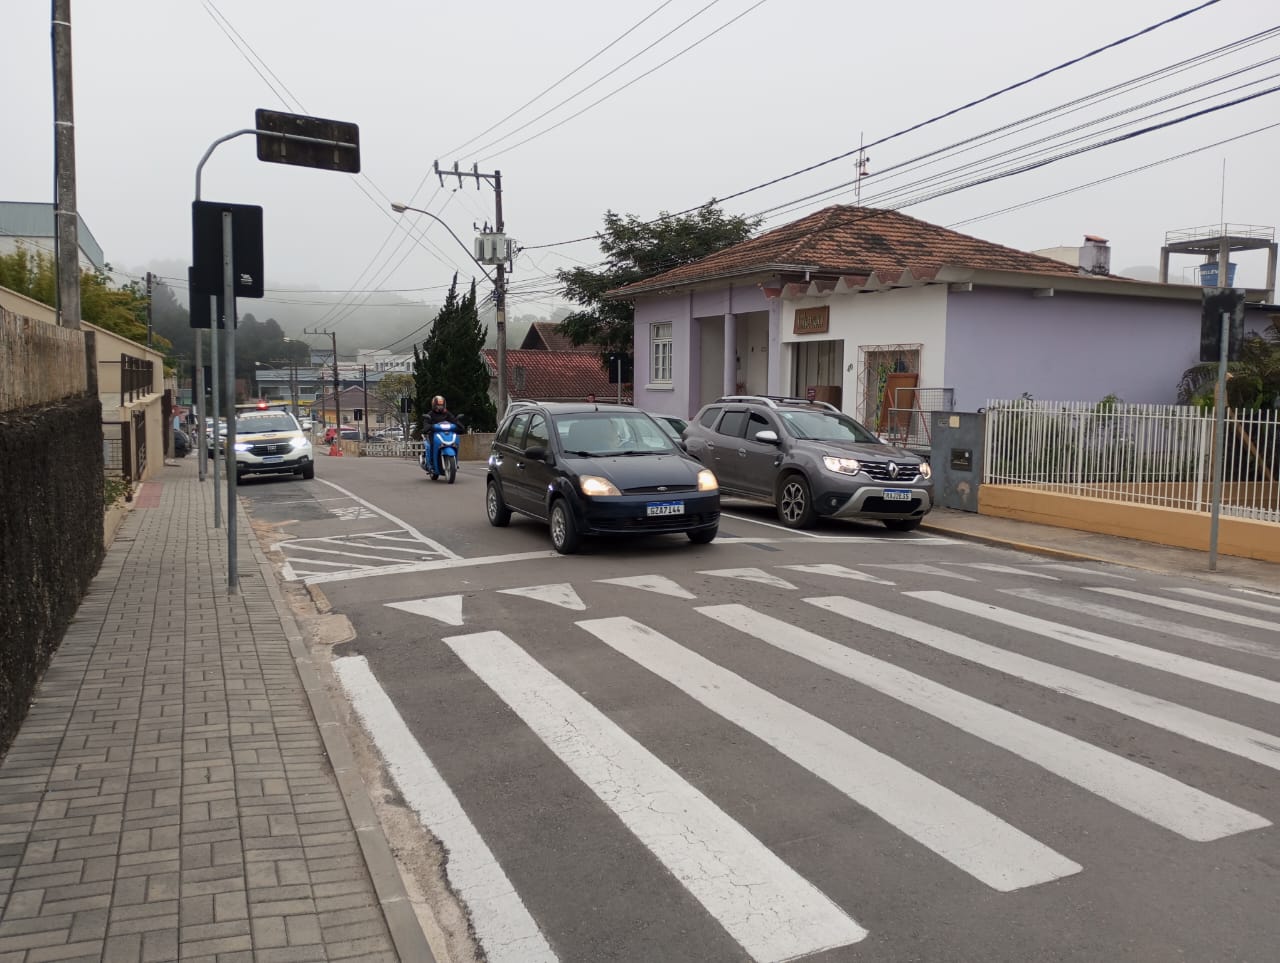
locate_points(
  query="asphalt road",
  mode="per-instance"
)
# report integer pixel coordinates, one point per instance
(849, 744)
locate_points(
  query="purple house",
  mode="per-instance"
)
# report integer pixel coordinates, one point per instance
(849, 304)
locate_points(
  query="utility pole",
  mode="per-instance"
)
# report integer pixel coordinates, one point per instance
(364, 397)
(500, 283)
(64, 162)
(337, 393)
(149, 309)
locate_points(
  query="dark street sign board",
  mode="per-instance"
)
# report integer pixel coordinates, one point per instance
(206, 247)
(199, 308)
(1213, 303)
(340, 150)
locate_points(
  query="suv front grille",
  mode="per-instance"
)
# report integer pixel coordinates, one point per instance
(271, 448)
(879, 470)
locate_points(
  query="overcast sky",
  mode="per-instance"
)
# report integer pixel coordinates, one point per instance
(789, 84)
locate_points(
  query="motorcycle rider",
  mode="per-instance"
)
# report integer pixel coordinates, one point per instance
(439, 412)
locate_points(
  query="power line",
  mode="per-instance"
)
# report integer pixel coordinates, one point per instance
(618, 90)
(1112, 177)
(511, 133)
(546, 90)
(918, 126)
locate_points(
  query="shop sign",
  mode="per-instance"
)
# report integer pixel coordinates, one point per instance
(813, 320)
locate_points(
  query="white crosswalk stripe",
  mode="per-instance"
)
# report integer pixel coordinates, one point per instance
(1190, 607)
(1232, 600)
(1008, 570)
(773, 912)
(959, 831)
(1215, 675)
(923, 569)
(1138, 621)
(1248, 743)
(1149, 794)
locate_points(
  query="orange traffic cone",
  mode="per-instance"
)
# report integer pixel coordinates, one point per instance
(334, 449)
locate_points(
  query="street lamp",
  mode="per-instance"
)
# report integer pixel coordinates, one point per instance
(499, 301)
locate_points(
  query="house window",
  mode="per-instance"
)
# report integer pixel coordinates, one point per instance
(660, 353)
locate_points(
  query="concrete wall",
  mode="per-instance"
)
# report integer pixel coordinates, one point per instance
(1002, 342)
(1163, 526)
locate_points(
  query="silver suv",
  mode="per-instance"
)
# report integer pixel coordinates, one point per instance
(808, 459)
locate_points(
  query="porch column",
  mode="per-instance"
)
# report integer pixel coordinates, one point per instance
(775, 346)
(730, 354)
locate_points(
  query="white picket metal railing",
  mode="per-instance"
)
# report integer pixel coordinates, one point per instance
(1147, 454)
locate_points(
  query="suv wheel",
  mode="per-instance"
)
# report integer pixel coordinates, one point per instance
(795, 502)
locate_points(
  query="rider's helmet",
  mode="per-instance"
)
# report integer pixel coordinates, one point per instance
(437, 403)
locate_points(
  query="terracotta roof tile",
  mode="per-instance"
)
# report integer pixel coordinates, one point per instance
(857, 240)
(546, 336)
(538, 375)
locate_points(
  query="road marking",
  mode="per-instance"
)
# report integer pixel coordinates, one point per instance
(758, 575)
(1264, 595)
(560, 593)
(1231, 600)
(782, 528)
(1125, 617)
(837, 571)
(343, 565)
(1191, 608)
(409, 568)
(353, 513)
(502, 923)
(1008, 570)
(442, 608)
(391, 518)
(924, 570)
(1154, 796)
(651, 583)
(961, 832)
(773, 912)
(1248, 743)
(296, 543)
(1063, 567)
(1171, 662)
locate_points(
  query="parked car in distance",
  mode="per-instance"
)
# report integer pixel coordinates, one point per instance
(591, 469)
(809, 459)
(672, 425)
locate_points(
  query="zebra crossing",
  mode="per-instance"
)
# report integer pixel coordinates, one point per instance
(699, 644)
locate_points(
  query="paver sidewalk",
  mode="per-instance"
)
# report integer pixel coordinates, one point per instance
(170, 795)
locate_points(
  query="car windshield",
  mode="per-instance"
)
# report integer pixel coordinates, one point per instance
(257, 424)
(825, 426)
(612, 433)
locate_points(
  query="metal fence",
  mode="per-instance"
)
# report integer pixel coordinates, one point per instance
(391, 449)
(124, 447)
(1159, 455)
(908, 422)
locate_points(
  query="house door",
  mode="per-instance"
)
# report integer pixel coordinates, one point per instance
(818, 371)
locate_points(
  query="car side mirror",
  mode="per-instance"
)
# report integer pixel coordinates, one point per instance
(768, 436)
(682, 445)
(537, 453)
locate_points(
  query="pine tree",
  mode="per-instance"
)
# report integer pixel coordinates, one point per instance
(450, 363)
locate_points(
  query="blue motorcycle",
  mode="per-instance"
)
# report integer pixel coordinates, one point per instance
(440, 453)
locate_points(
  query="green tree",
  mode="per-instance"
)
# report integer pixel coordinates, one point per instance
(388, 392)
(635, 250)
(450, 363)
(121, 309)
(1253, 380)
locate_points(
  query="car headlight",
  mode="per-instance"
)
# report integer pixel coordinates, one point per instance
(707, 481)
(845, 466)
(243, 445)
(299, 443)
(596, 486)
(925, 470)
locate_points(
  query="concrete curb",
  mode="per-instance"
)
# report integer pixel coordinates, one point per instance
(393, 899)
(1030, 547)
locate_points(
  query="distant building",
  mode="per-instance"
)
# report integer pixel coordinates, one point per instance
(31, 224)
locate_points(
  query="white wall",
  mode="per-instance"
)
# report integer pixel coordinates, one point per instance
(916, 315)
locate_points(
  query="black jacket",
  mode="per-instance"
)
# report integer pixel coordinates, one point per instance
(434, 416)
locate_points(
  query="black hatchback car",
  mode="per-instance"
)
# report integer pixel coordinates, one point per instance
(597, 470)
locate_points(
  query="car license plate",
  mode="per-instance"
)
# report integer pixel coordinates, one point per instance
(664, 508)
(271, 459)
(897, 494)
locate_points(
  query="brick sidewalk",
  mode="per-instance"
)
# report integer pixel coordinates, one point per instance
(170, 795)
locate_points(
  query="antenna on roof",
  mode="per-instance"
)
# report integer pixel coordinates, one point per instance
(863, 161)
